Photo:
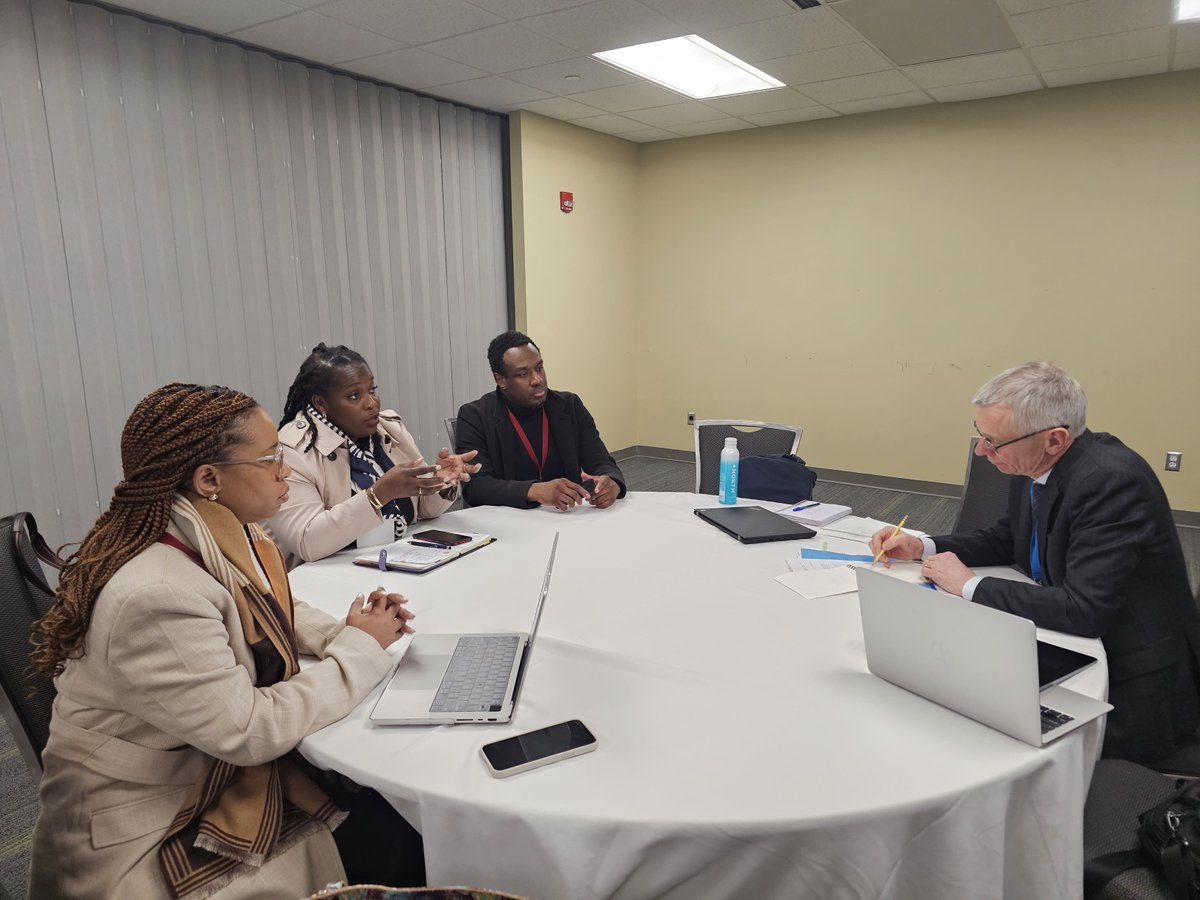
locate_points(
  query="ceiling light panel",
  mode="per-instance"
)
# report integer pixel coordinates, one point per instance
(691, 66)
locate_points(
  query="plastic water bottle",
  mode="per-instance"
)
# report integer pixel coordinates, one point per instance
(727, 492)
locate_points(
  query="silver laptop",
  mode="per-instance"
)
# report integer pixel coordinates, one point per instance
(973, 659)
(450, 678)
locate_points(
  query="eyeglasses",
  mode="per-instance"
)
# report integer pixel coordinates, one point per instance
(995, 448)
(276, 458)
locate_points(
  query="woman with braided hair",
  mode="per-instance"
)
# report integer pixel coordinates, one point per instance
(357, 475)
(174, 641)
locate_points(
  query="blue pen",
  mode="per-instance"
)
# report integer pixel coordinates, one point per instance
(806, 506)
(383, 560)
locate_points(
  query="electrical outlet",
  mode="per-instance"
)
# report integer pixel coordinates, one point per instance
(691, 418)
(1173, 459)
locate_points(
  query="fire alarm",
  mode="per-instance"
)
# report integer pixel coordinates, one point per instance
(566, 201)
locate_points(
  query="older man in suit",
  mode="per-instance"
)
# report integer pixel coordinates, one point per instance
(1089, 522)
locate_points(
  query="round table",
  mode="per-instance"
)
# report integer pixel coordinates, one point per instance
(744, 750)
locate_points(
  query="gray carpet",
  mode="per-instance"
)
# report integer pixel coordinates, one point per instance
(934, 514)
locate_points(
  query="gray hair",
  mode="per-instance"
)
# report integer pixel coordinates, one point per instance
(1042, 395)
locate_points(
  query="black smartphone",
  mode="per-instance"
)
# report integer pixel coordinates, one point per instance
(440, 538)
(537, 748)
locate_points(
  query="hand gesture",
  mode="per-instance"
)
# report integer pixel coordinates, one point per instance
(947, 571)
(413, 479)
(383, 616)
(606, 491)
(902, 546)
(456, 467)
(561, 493)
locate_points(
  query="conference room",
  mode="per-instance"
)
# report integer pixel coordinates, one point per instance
(203, 192)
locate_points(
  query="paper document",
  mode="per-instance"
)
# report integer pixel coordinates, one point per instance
(814, 513)
(819, 583)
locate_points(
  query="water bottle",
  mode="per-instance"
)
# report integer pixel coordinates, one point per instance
(729, 472)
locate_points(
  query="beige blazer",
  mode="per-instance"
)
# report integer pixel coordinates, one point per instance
(320, 516)
(165, 685)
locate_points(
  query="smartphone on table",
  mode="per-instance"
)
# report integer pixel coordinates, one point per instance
(537, 748)
(434, 537)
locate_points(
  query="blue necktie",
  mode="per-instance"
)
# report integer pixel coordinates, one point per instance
(1035, 562)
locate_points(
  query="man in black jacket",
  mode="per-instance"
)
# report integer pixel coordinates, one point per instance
(536, 446)
(1089, 522)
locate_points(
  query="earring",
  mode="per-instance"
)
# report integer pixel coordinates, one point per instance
(213, 496)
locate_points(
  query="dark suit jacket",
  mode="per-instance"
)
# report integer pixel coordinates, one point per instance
(484, 425)
(1112, 568)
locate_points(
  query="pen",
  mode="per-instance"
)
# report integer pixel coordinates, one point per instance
(806, 506)
(433, 544)
(895, 532)
(383, 561)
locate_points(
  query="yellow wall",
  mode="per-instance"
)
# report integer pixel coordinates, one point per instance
(574, 272)
(862, 276)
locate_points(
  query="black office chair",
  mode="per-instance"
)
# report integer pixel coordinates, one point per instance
(985, 493)
(753, 439)
(1120, 791)
(25, 595)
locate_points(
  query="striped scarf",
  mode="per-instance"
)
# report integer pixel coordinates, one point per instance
(237, 817)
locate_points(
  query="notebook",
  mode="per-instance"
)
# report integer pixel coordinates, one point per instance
(814, 513)
(405, 556)
(975, 660)
(450, 678)
(754, 524)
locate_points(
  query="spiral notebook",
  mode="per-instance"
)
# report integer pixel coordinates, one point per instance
(405, 556)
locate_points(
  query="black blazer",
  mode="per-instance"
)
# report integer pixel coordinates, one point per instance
(1112, 568)
(484, 425)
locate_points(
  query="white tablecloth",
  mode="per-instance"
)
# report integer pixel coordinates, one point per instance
(744, 750)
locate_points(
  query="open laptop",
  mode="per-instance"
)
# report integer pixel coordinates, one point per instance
(754, 524)
(450, 678)
(973, 659)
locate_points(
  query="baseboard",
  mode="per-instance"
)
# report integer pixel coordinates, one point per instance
(687, 456)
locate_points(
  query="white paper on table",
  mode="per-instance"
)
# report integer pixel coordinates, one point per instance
(860, 528)
(800, 564)
(902, 569)
(817, 583)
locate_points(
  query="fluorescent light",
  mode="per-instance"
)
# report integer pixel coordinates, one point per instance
(690, 65)
(1188, 10)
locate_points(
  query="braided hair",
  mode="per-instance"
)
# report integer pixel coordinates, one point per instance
(169, 434)
(319, 374)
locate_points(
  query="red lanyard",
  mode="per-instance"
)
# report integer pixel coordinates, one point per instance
(528, 446)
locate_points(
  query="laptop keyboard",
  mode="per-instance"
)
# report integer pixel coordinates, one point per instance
(1052, 718)
(476, 679)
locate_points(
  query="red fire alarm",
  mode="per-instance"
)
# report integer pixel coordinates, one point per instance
(566, 201)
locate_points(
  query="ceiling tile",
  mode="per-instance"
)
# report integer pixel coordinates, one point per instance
(694, 129)
(761, 102)
(413, 22)
(519, 9)
(874, 104)
(639, 95)
(676, 114)
(919, 31)
(1131, 68)
(984, 67)
(648, 134)
(1189, 60)
(784, 117)
(413, 68)
(1016, 7)
(558, 108)
(609, 124)
(592, 73)
(799, 32)
(1187, 37)
(218, 16)
(706, 15)
(311, 35)
(1094, 51)
(1089, 18)
(500, 48)
(859, 87)
(980, 89)
(489, 92)
(822, 65)
(604, 25)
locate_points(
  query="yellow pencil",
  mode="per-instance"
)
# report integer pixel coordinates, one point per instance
(890, 536)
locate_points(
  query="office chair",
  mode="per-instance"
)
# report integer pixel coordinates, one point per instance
(25, 596)
(753, 439)
(1121, 790)
(1184, 760)
(985, 493)
(451, 428)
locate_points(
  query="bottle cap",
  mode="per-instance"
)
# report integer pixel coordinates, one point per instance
(731, 442)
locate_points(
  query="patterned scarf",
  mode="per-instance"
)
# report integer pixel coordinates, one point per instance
(237, 817)
(366, 465)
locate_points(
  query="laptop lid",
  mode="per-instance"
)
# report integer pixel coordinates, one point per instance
(972, 659)
(754, 524)
(413, 687)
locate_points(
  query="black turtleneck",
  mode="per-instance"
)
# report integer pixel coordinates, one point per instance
(530, 420)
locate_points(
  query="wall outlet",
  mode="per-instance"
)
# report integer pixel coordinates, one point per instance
(691, 418)
(1173, 459)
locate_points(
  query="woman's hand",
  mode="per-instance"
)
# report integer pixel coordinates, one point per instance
(413, 479)
(383, 616)
(456, 467)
